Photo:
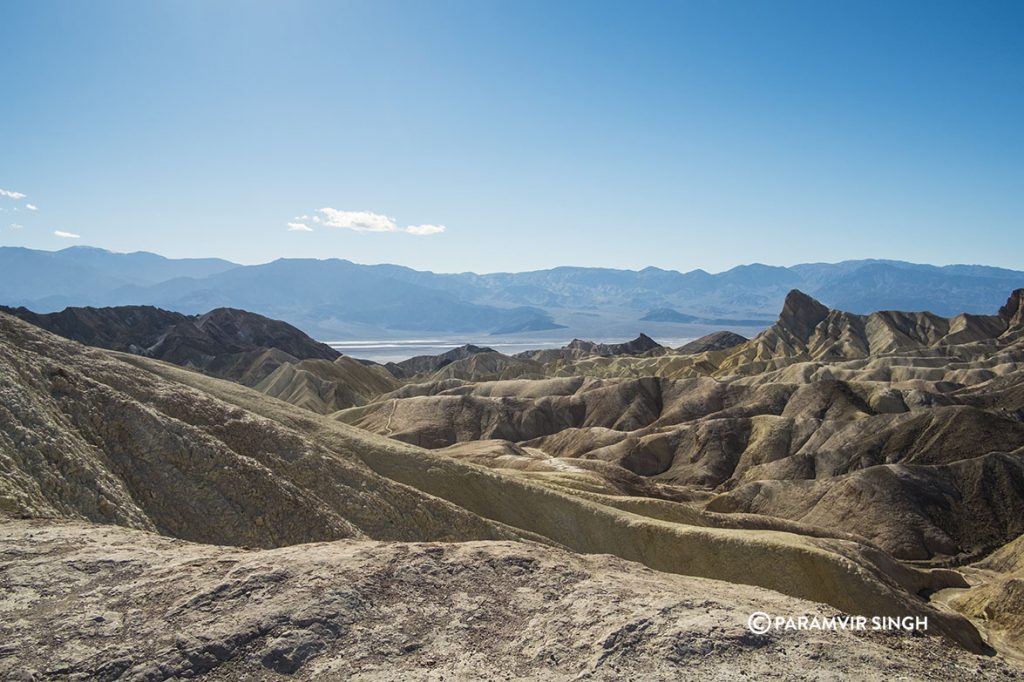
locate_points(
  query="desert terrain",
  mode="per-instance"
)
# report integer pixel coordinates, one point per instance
(220, 494)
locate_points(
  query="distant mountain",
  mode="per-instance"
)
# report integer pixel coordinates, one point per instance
(667, 315)
(324, 296)
(943, 291)
(670, 315)
(340, 299)
(82, 275)
(529, 323)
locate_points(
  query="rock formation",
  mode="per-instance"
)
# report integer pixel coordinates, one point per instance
(161, 448)
(713, 341)
(873, 463)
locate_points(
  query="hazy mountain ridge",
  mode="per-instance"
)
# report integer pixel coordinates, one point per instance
(342, 299)
(81, 274)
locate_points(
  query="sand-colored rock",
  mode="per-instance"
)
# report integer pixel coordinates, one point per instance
(815, 452)
(324, 386)
(83, 435)
(844, 574)
(164, 448)
(714, 341)
(82, 601)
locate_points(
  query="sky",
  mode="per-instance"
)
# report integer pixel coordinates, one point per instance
(516, 135)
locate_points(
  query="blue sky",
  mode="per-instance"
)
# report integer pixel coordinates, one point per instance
(680, 135)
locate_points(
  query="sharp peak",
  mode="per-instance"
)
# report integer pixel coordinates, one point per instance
(643, 339)
(798, 297)
(801, 314)
(1013, 311)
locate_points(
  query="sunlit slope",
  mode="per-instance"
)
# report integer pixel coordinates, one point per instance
(850, 576)
(85, 435)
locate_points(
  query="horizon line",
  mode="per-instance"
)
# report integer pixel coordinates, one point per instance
(87, 247)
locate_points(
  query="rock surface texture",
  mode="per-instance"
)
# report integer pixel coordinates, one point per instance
(82, 601)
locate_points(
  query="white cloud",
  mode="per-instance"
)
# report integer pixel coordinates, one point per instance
(16, 226)
(364, 221)
(32, 207)
(11, 194)
(361, 221)
(299, 227)
(424, 230)
(66, 235)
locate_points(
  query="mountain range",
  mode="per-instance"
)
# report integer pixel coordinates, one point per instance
(338, 299)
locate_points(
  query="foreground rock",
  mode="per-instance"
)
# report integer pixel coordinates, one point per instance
(997, 596)
(82, 601)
